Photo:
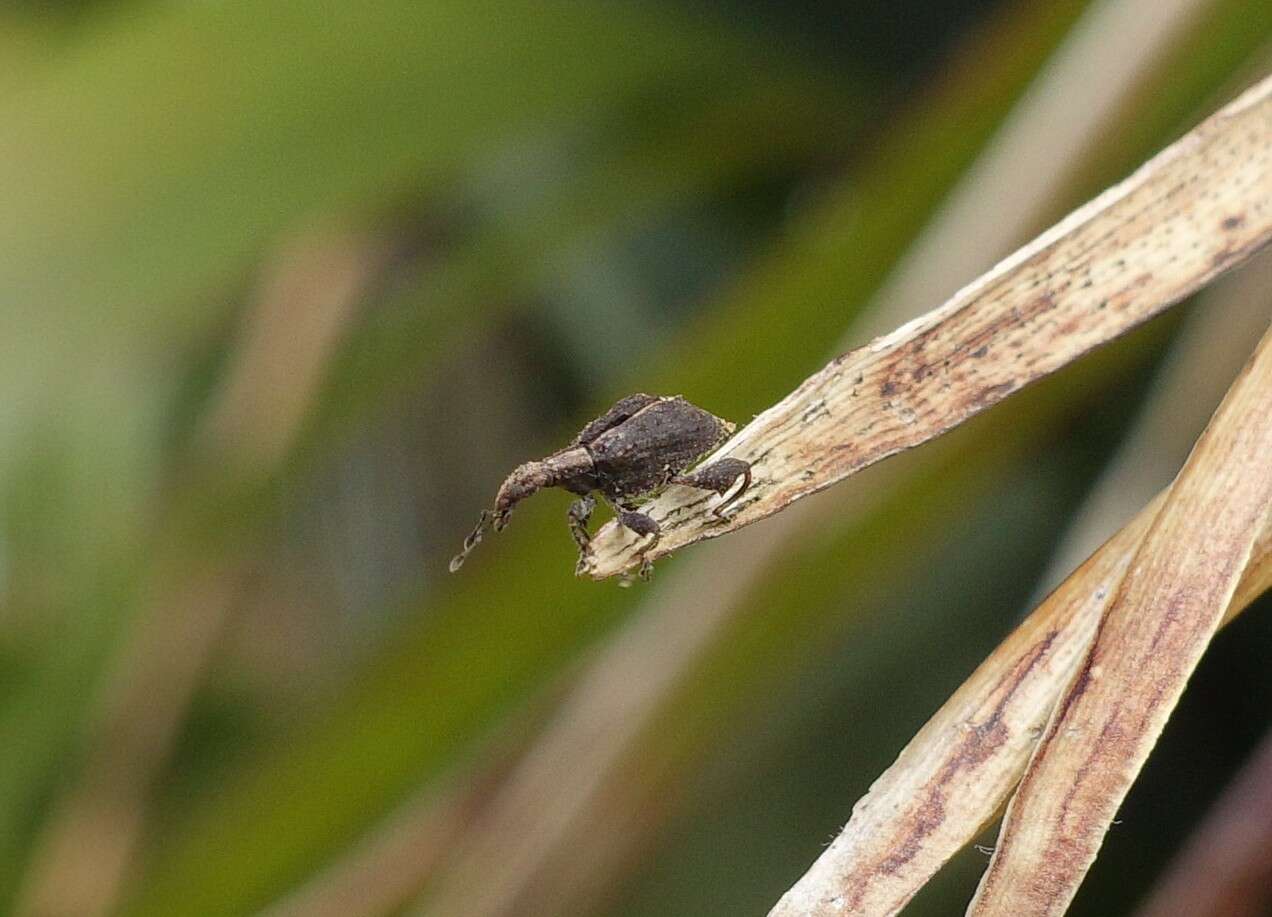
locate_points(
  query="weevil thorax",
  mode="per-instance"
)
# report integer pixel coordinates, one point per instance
(662, 439)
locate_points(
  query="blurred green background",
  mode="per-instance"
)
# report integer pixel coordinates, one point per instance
(289, 286)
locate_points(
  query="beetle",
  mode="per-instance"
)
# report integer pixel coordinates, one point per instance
(627, 455)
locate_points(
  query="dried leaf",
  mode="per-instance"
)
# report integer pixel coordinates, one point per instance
(955, 774)
(1159, 623)
(1197, 208)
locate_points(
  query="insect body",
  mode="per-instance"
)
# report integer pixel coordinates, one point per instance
(633, 450)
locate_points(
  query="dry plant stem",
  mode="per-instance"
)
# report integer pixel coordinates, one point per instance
(1226, 868)
(955, 774)
(1198, 208)
(1161, 619)
(1205, 356)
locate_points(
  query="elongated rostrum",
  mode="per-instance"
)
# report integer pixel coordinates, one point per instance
(627, 455)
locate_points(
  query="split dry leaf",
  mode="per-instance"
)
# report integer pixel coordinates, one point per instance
(956, 773)
(1161, 618)
(1199, 207)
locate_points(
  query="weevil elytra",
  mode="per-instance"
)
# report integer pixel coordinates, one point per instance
(628, 454)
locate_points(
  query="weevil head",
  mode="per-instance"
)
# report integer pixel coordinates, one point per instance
(524, 481)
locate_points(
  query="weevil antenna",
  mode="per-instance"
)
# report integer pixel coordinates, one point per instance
(473, 539)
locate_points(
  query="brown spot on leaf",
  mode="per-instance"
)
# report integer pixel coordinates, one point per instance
(977, 746)
(926, 819)
(990, 394)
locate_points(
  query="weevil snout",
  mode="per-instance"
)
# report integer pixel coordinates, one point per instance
(526, 480)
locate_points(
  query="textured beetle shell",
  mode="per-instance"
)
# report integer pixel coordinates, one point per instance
(621, 411)
(643, 452)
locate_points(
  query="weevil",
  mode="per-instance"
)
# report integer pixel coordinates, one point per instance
(627, 455)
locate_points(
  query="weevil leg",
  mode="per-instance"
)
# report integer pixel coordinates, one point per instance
(719, 476)
(580, 512)
(644, 525)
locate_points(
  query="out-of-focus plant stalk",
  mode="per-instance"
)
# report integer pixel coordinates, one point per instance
(1225, 870)
(305, 303)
